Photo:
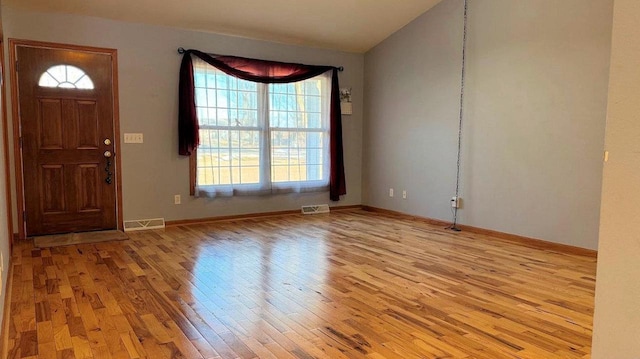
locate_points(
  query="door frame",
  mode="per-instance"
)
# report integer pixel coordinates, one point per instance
(15, 108)
(5, 138)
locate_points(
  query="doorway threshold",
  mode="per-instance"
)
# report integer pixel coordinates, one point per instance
(67, 239)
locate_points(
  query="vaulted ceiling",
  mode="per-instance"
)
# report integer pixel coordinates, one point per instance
(347, 25)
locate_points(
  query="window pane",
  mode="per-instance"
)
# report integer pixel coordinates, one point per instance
(46, 80)
(279, 102)
(248, 100)
(312, 104)
(314, 172)
(202, 115)
(250, 157)
(250, 140)
(292, 119)
(221, 98)
(301, 120)
(280, 156)
(247, 86)
(204, 139)
(85, 83)
(74, 74)
(312, 87)
(225, 157)
(280, 173)
(211, 98)
(233, 118)
(279, 139)
(248, 118)
(212, 118)
(314, 139)
(214, 139)
(314, 156)
(65, 76)
(295, 173)
(201, 97)
(278, 88)
(232, 99)
(250, 174)
(223, 117)
(222, 81)
(58, 73)
(274, 119)
(199, 78)
(210, 78)
(225, 175)
(233, 83)
(313, 120)
(235, 157)
(235, 175)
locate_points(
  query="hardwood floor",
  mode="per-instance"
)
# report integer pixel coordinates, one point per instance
(345, 285)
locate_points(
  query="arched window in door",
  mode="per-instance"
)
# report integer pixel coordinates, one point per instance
(66, 76)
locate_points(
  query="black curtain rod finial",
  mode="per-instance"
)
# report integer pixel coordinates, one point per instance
(181, 50)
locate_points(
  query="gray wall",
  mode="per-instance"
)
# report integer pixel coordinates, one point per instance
(534, 116)
(616, 326)
(148, 75)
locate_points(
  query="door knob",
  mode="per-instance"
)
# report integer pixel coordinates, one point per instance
(107, 154)
(107, 141)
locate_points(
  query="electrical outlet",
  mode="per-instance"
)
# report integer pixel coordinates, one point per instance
(404, 194)
(133, 138)
(390, 192)
(177, 199)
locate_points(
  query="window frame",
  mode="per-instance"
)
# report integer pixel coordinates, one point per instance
(265, 128)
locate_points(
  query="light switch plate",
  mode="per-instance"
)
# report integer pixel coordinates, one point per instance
(133, 138)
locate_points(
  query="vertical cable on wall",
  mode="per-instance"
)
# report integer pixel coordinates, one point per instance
(461, 116)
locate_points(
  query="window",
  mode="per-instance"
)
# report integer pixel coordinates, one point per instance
(258, 137)
(65, 76)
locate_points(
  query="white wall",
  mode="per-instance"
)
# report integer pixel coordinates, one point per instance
(148, 75)
(4, 233)
(534, 116)
(616, 331)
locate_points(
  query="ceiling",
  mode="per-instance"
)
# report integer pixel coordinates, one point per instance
(347, 25)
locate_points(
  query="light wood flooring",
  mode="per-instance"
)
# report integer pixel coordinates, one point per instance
(345, 285)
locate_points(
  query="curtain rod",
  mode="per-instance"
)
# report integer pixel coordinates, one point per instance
(182, 51)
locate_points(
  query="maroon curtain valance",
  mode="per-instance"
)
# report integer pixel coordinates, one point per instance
(264, 72)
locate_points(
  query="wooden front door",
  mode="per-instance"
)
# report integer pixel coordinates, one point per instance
(67, 128)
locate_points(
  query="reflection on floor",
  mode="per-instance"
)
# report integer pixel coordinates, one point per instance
(344, 285)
